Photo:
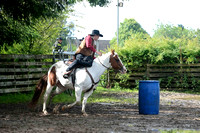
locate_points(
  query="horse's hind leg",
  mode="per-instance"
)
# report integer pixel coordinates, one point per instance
(56, 92)
(85, 97)
(46, 96)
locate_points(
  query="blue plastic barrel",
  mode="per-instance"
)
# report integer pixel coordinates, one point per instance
(149, 97)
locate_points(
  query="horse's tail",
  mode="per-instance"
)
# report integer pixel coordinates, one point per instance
(41, 86)
(39, 89)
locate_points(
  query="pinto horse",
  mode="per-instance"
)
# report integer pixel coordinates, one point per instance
(85, 81)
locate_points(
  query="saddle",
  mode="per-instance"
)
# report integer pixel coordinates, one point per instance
(72, 74)
(72, 71)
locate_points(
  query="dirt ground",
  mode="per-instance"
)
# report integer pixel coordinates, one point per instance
(177, 111)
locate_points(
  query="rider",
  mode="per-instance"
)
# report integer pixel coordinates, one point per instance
(84, 55)
(58, 48)
(57, 44)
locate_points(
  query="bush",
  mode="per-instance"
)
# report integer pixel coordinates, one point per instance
(140, 50)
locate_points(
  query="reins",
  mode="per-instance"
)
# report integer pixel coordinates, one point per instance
(94, 83)
(102, 64)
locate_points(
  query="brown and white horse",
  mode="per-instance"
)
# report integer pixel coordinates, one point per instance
(84, 82)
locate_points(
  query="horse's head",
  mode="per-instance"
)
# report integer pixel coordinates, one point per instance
(116, 62)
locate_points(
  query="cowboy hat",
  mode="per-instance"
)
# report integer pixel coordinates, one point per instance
(96, 32)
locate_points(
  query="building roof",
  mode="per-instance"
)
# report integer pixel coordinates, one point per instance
(104, 44)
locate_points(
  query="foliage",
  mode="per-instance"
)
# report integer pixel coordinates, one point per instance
(138, 51)
(174, 32)
(38, 38)
(26, 11)
(18, 16)
(169, 45)
(126, 31)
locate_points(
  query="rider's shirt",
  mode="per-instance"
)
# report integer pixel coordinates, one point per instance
(87, 47)
(90, 43)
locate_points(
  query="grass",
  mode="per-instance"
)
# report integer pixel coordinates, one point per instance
(15, 98)
(111, 96)
(103, 95)
(100, 95)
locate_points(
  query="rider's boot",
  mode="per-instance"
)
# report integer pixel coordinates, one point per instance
(66, 75)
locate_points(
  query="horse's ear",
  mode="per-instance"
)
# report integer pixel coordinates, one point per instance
(112, 51)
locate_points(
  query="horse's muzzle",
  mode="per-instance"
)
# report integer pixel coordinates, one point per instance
(123, 70)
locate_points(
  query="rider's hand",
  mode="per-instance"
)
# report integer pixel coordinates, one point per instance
(99, 53)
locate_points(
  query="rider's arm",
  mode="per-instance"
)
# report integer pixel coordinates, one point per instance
(88, 41)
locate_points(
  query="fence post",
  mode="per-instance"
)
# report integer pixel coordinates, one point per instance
(148, 71)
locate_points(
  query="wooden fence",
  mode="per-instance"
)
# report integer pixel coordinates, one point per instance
(22, 72)
(171, 76)
(176, 76)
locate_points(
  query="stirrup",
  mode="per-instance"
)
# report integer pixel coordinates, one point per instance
(66, 75)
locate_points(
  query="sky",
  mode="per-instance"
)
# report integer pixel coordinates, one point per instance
(148, 13)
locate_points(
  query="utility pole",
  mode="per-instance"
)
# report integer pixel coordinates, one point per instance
(118, 22)
(119, 4)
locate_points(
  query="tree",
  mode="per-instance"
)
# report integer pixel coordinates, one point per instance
(15, 15)
(126, 30)
(39, 37)
(27, 10)
(174, 32)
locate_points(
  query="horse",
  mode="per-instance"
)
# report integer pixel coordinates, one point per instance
(86, 80)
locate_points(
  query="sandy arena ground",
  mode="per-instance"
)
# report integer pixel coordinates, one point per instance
(177, 111)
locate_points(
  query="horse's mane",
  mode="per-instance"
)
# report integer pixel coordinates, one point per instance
(103, 57)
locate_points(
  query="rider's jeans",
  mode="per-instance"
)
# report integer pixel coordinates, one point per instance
(81, 60)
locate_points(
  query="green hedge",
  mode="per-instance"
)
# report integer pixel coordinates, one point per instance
(141, 50)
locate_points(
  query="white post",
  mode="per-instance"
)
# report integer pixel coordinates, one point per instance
(117, 22)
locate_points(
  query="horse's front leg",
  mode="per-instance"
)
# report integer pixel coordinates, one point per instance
(85, 97)
(78, 92)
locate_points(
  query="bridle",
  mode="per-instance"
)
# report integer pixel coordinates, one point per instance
(119, 65)
(95, 83)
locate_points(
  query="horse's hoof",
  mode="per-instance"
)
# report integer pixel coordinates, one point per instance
(69, 106)
(85, 114)
(56, 112)
(45, 113)
(64, 107)
(56, 109)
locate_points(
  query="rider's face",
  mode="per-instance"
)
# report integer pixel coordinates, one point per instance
(96, 37)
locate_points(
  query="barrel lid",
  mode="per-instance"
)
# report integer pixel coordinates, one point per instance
(149, 81)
